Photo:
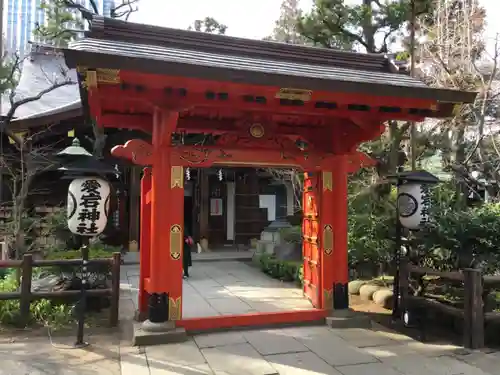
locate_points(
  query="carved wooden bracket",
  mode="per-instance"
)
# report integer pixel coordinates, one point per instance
(136, 150)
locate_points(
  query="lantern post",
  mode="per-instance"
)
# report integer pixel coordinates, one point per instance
(88, 208)
(412, 212)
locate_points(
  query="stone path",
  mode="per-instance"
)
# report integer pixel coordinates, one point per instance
(229, 287)
(306, 351)
(25, 354)
(287, 351)
(215, 256)
(233, 287)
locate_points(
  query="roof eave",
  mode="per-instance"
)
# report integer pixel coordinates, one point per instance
(88, 58)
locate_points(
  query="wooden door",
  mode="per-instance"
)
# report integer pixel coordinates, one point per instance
(310, 248)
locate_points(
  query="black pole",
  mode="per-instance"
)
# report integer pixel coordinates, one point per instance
(83, 293)
(397, 261)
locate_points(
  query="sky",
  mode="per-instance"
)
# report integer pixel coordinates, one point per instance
(254, 22)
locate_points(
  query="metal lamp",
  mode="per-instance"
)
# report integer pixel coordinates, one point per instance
(412, 211)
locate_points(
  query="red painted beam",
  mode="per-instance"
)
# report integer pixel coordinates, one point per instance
(140, 152)
(143, 122)
(252, 320)
(193, 85)
(158, 98)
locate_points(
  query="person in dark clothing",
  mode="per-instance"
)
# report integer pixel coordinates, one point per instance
(186, 255)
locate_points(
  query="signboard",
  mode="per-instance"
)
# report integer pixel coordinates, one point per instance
(215, 207)
(88, 206)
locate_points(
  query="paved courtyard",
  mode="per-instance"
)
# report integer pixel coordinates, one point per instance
(234, 287)
(286, 351)
(306, 351)
(231, 287)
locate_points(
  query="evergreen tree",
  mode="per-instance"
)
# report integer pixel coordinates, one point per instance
(65, 19)
(371, 26)
(209, 25)
(286, 28)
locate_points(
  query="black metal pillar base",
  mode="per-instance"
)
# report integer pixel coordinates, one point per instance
(340, 296)
(158, 308)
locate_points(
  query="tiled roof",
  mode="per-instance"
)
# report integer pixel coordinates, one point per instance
(39, 71)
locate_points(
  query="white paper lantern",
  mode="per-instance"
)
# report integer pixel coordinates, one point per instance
(413, 205)
(88, 206)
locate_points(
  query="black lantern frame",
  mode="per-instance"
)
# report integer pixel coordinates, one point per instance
(419, 177)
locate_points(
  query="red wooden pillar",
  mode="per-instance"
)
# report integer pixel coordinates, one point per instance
(340, 270)
(326, 239)
(145, 241)
(167, 201)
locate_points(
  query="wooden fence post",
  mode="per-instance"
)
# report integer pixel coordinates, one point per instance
(473, 309)
(25, 300)
(115, 290)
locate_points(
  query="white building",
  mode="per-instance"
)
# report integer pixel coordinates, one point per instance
(21, 16)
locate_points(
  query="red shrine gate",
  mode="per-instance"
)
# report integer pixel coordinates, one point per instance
(170, 84)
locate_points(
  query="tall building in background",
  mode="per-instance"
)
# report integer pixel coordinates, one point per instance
(21, 16)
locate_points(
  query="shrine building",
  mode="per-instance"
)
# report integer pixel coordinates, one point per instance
(198, 100)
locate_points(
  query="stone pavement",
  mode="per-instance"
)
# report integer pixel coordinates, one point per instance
(285, 351)
(306, 351)
(29, 354)
(228, 287)
(233, 287)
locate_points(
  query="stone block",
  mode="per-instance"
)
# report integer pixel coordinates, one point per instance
(143, 335)
(288, 251)
(265, 247)
(366, 291)
(348, 319)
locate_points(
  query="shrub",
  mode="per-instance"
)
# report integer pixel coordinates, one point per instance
(292, 234)
(42, 311)
(279, 269)
(94, 253)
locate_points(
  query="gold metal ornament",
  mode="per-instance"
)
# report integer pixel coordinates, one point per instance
(176, 242)
(328, 239)
(257, 131)
(327, 181)
(328, 299)
(177, 177)
(174, 308)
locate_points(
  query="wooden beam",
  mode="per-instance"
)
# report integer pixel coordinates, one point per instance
(143, 122)
(140, 152)
(200, 157)
(157, 98)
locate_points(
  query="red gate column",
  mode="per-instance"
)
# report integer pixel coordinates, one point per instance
(167, 200)
(340, 270)
(327, 220)
(145, 241)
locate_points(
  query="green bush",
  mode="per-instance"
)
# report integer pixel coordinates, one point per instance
(279, 269)
(292, 234)
(94, 253)
(43, 311)
(461, 238)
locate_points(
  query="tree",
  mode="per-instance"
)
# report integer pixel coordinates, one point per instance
(63, 25)
(21, 163)
(65, 19)
(333, 24)
(25, 163)
(453, 55)
(208, 25)
(373, 27)
(286, 29)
